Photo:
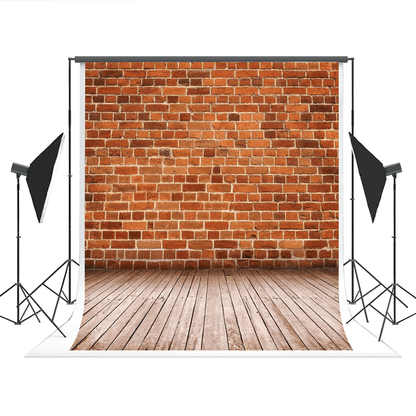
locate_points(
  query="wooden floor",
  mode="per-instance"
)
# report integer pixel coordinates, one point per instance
(247, 309)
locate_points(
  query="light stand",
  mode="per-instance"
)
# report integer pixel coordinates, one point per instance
(20, 317)
(373, 177)
(354, 262)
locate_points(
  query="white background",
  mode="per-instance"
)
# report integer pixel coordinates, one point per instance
(36, 40)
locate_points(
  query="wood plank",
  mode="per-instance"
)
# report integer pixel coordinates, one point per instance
(106, 289)
(313, 292)
(319, 284)
(101, 284)
(302, 292)
(91, 331)
(166, 337)
(112, 293)
(263, 335)
(269, 322)
(233, 331)
(313, 333)
(87, 328)
(161, 333)
(276, 307)
(334, 332)
(101, 279)
(196, 330)
(215, 335)
(290, 310)
(94, 308)
(247, 331)
(334, 323)
(183, 328)
(141, 331)
(91, 274)
(106, 331)
(316, 313)
(125, 326)
(326, 276)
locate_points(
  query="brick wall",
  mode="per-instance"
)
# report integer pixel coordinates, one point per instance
(211, 165)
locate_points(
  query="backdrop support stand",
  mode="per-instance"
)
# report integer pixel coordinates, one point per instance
(356, 295)
(352, 260)
(68, 262)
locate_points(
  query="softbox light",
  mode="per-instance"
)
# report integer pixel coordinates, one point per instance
(372, 173)
(40, 175)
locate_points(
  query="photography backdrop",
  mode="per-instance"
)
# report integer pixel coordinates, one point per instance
(206, 164)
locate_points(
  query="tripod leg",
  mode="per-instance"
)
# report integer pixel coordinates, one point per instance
(60, 291)
(44, 282)
(385, 316)
(62, 295)
(10, 288)
(7, 319)
(33, 291)
(406, 291)
(23, 314)
(385, 290)
(50, 320)
(379, 283)
(352, 302)
(359, 291)
(29, 304)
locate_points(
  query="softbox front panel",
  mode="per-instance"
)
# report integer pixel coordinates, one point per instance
(40, 175)
(372, 173)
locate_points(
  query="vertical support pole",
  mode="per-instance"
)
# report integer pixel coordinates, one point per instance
(69, 185)
(352, 96)
(394, 249)
(352, 228)
(352, 186)
(18, 250)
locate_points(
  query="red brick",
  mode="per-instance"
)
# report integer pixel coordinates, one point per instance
(134, 225)
(198, 91)
(225, 244)
(200, 187)
(200, 244)
(174, 244)
(198, 206)
(116, 206)
(123, 244)
(216, 225)
(166, 225)
(219, 188)
(291, 225)
(191, 225)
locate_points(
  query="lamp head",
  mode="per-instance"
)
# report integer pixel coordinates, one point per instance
(393, 169)
(19, 169)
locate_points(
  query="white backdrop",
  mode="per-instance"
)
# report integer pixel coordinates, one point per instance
(36, 40)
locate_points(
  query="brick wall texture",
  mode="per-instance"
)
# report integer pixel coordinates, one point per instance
(211, 165)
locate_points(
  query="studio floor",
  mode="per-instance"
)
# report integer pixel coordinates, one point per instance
(246, 309)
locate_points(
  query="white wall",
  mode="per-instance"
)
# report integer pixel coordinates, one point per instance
(36, 40)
